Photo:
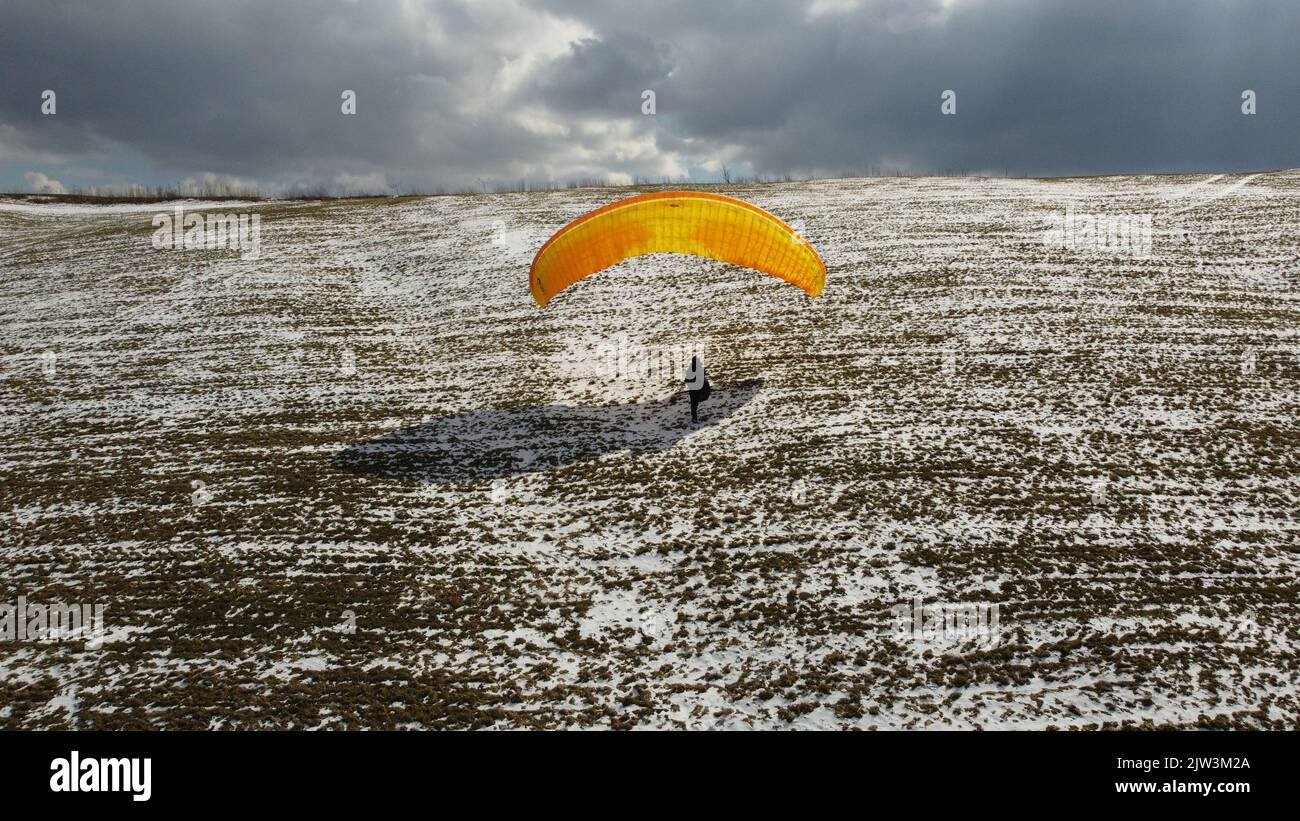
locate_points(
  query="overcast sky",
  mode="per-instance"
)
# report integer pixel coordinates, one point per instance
(460, 94)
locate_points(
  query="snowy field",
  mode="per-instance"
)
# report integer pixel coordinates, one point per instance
(361, 481)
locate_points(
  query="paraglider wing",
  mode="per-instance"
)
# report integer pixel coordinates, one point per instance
(683, 222)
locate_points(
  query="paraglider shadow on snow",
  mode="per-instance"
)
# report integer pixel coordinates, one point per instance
(495, 443)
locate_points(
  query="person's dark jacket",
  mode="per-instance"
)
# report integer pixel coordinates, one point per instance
(697, 375)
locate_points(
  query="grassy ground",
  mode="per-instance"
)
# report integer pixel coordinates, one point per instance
(361, 481)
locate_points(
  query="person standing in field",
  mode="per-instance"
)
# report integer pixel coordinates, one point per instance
(697, 386)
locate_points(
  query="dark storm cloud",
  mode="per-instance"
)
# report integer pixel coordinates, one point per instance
(450, 93)
(1041, 87)
(253, 89)
(603, 76)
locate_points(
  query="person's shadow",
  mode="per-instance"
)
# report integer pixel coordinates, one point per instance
(494, 443)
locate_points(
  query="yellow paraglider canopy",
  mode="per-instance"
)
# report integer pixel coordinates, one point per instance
(682, 222)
